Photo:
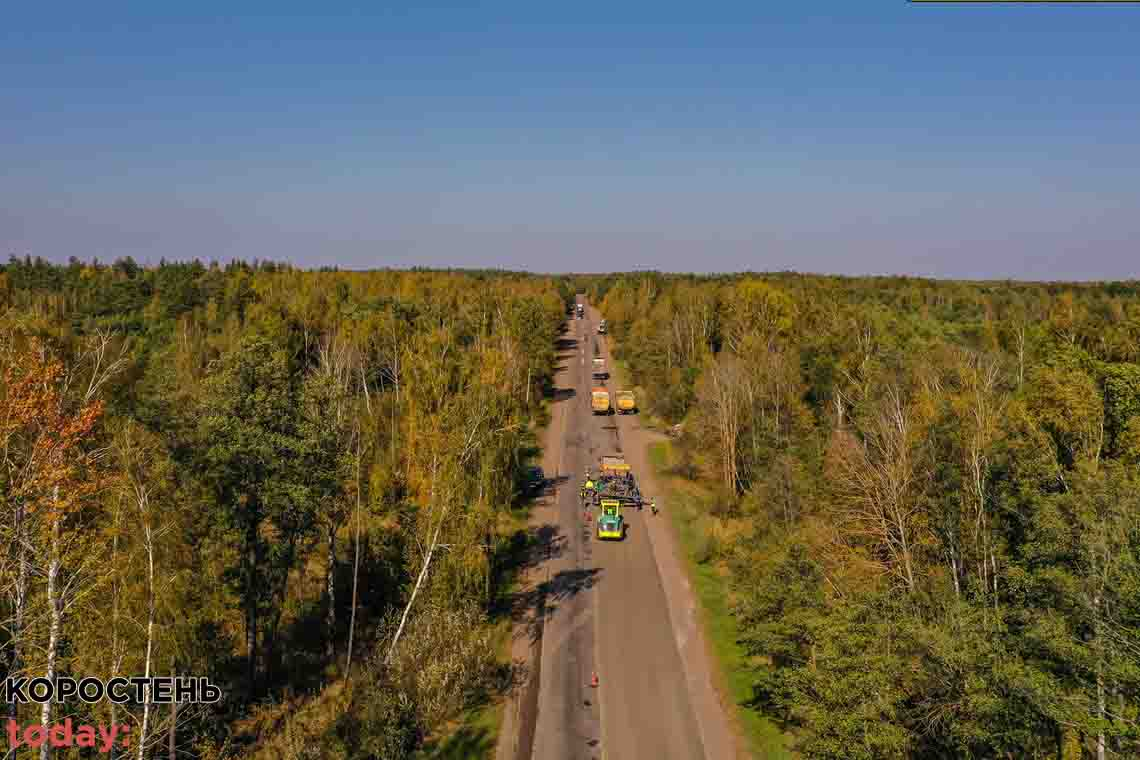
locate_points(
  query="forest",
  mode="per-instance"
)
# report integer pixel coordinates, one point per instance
(308, 487)
(926, 503)
(303, 485)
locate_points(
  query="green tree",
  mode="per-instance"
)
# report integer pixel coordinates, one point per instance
(249, 428)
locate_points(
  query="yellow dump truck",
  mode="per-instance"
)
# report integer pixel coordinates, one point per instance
(600, 401)
(626, 403)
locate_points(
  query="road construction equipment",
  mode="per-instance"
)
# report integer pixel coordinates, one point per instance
(600, 401)
(611, 524)
(616, 482)
(626, 403)
(614, 465)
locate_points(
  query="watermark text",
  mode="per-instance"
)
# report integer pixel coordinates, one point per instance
(101, 738)
(161, 690)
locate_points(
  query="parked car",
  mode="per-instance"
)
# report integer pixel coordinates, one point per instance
(535, 482)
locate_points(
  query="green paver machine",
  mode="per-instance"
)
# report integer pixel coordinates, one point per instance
(611, 525)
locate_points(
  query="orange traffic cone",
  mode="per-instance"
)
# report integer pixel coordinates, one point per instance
(594, 679)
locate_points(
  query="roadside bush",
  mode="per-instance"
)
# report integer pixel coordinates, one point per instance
(446, 659)
(704, 539)
(390, 728)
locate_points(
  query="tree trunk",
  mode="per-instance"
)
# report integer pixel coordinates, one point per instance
(172, 734)
(270, 639)
(355, 564)
(148, 537)
(954, 572)
(1071, 743)
(1020, 357)
(56, 610)
(251, 608)
(116, 659)
(1100, 701)
(416, 590)
(330, 591)
(20, 602)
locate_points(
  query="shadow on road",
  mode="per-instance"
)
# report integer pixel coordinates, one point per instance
(550, 485)
(568, 583)
(530, 607)
(538, 604)
(548, 542)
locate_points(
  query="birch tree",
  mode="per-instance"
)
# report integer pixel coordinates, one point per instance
(983, 411)
(62, 469)
(881, 479)
(328, 428)
(720, 393)
(144, 483)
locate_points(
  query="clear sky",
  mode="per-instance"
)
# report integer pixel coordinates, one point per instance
(843, 136)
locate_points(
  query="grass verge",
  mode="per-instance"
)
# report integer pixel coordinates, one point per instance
(685, 502)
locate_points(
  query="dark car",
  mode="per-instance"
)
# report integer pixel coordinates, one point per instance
(535, 481)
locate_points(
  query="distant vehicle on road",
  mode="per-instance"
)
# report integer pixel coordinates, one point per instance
(581, 311)
(602, 327)
(600, 372)
(600, 401)
(626, 403)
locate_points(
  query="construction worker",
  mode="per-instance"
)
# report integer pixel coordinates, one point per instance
(653, 505)
(587, 488)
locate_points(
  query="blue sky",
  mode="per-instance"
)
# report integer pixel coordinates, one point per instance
(977, 141)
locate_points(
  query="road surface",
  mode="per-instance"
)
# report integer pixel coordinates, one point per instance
(603, 609)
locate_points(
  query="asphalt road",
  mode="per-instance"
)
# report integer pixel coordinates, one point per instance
(606, 611)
